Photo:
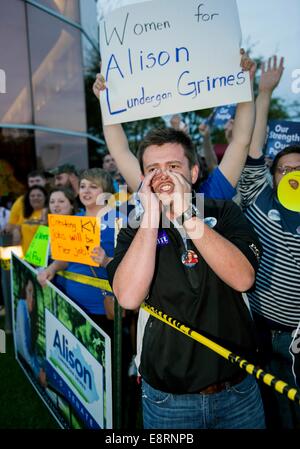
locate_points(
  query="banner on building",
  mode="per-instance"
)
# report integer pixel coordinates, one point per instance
(161, 57)
(281, 134)
(64, 354)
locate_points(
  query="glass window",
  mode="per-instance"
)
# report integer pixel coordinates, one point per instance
(53, 149)
(96, 150)
(17, 159)
(88, 19)
(67, 8)
(57, 73)
(91, 60)
(15, 104)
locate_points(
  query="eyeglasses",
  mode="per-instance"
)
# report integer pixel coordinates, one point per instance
(287, 169)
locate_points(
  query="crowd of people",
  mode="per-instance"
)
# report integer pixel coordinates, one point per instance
(227, 269)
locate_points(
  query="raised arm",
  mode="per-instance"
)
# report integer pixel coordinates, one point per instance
(269, 80)
(235, 156)
(118, 146)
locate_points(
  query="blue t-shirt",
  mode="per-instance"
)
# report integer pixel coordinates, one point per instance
(90, 298)
(217, 186)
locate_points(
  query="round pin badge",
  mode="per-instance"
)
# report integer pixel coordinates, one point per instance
(274, 215)
(103, 226)
(210, 221)
(298, 230)
(189, 258)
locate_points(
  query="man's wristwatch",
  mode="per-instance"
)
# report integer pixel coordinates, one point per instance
(192, 211)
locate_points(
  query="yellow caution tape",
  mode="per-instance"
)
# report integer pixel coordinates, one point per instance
(282, 387)
(103, 284)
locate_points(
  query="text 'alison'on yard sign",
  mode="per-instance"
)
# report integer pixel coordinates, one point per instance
(73, 238)
(166, 56)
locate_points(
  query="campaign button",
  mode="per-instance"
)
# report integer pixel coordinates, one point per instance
(189, 258)
(210, 221)
(274, 215)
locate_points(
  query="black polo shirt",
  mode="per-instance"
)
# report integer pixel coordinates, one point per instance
(197, 297)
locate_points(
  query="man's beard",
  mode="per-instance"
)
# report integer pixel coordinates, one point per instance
(67, 185)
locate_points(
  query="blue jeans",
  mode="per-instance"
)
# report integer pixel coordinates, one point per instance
(237, 407)
(281, 412)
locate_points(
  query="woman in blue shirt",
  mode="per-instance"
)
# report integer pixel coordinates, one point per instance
(94, 186)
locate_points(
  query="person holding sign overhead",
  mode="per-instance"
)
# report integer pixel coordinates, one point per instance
(275, 301)
(93, 183)
(223, 180)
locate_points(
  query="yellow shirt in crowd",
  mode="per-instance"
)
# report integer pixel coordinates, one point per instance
(16, 212)
(28, 226)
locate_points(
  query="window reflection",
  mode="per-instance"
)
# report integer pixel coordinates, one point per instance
(15, 104)
(91, 59)
(48, 84)
(17, 158)
(67, 8)
(56, 149)
(57, 75)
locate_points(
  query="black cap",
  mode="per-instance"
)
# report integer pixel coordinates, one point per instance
(65, 168)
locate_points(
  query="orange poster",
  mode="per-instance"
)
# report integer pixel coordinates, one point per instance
(73, 238)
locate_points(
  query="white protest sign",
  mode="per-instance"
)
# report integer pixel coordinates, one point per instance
(165, 56)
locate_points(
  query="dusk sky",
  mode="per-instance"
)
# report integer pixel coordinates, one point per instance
(274, 26)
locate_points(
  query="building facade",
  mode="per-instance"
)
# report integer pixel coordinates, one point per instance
(48, 58)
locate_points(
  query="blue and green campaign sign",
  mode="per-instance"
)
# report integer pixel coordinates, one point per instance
(64, 354)
(281, 134)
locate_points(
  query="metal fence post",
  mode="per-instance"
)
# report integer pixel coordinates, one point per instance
(117, 367)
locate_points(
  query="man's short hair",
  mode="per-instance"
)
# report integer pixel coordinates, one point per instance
(64, 168)
(289, 150)
(36, 173)
(161, 136)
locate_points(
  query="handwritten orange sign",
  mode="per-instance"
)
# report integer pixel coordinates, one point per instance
(73, 238)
